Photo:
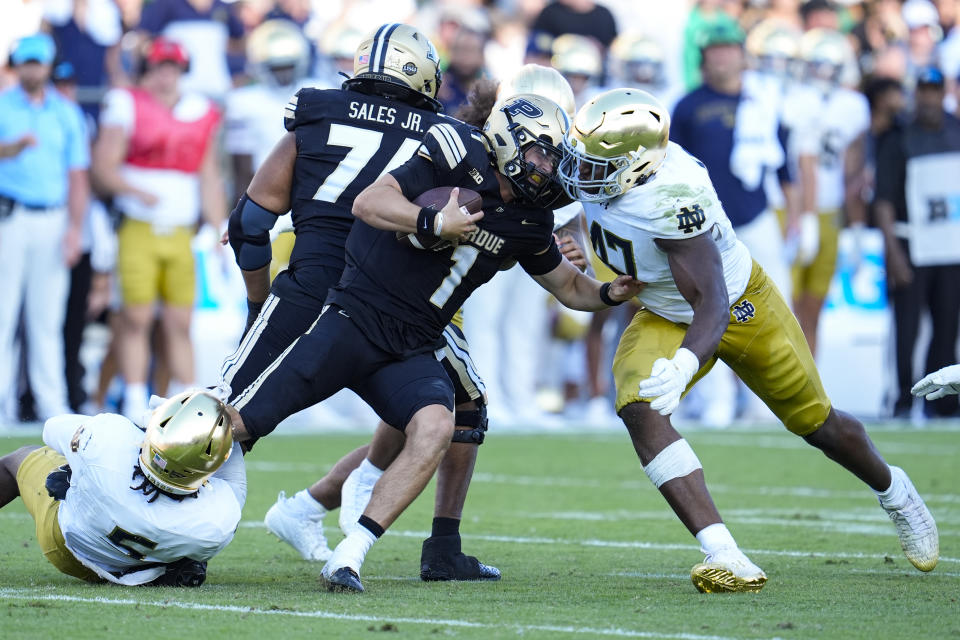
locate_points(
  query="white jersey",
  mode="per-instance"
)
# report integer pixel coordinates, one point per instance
(678, 202)
(799, 117)
(254, 119)
(843, 116)
(113, 529)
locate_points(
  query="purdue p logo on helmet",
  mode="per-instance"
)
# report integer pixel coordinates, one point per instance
(400, 54)
(523, 135)
(188, 438)
(617, 141)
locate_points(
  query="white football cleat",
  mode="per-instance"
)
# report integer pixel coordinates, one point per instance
(301, 530)
(354, 497)
(727, 571)
(916, 528)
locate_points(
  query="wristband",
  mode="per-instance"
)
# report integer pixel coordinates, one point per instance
(425, 222)
(605, 295)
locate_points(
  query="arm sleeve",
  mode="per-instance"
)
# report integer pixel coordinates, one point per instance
(546, 261)
(234, 473)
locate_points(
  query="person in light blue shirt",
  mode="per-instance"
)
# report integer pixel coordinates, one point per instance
(44, 189)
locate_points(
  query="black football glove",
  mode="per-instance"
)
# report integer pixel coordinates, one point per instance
(184, 572)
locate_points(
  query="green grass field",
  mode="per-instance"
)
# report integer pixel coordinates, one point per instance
(587, 547)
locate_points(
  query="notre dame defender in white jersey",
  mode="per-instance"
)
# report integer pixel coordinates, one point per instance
(114, 504)
(653, 214)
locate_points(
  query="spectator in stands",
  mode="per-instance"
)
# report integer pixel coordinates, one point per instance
(88, 36)
(465, 66)
(916, 188)
(156, 155)
(208, 30)
(43, 198)
(581, 17)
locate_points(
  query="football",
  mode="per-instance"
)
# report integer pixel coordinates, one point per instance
(436, 199)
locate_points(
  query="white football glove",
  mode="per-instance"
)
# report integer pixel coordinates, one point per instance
(668, 380)
(808, 243)
(938, 384)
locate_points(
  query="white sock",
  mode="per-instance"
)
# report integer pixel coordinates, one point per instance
(135, 401)
(368, 471)
(895, 496)
(353, 549)
(715, 537)
(306, 502)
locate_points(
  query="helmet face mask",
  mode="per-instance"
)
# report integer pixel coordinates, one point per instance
(523, 134)
(188, 438)
(617, 141)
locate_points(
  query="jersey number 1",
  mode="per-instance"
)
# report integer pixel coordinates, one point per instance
(363, 144)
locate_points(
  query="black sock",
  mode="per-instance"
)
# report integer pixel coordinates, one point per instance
(445, 527)
(370, 525)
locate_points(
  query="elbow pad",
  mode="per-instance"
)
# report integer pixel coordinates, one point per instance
(249, 232)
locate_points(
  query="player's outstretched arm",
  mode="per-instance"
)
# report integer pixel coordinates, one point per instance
(383, 205)
(577, 290)
(938, 384)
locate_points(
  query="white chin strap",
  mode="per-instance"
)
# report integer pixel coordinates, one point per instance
(676, 460)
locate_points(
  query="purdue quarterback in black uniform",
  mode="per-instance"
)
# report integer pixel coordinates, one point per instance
(385, 318)
(338, 142)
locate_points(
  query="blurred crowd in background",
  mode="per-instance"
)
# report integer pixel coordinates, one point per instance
(79, 186)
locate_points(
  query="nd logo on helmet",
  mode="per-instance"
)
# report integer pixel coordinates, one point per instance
(522, 106)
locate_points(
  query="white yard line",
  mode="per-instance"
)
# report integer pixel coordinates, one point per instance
(36, 594)
(633, 544)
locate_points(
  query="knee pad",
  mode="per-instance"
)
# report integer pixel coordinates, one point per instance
(676, 460)
(476, 420)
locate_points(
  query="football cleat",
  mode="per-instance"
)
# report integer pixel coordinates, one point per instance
(302, 531)
(916, 528)
(441, 560)
(727, 571)
(354, 496)
(343, 580)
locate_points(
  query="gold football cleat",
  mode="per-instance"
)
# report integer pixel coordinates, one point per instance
(719, 574)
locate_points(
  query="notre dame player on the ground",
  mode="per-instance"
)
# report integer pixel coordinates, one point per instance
(338, 142)
(385, 319)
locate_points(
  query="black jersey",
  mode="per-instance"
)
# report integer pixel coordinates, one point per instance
(403, 297)
(345, 141)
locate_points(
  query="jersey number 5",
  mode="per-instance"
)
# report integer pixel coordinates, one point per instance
(363, 144)
(125, 540)
(605, 243)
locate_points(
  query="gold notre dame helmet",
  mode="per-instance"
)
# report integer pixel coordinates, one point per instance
(400, 54)
(829, 57)
(617, 141)
(519, 127)
(774, 46)
(188, 438)
(540, 81)
(637, 58)
(276, 44)
(576, 55)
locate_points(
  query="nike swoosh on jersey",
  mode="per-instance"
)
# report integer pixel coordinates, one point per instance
(528, 222)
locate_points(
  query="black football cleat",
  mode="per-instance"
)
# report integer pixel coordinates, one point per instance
(344, 580)
(441, 559)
